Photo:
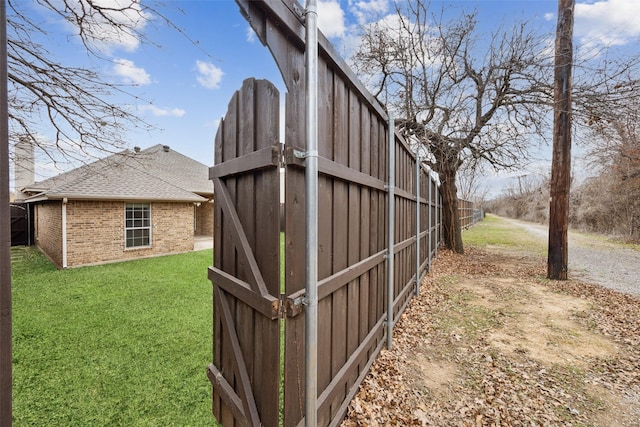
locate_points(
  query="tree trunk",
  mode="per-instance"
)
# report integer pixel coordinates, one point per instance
(451, 232)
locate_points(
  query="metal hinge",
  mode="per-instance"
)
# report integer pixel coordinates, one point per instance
(278, 155)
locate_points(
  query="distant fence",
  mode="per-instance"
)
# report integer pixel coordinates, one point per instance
(355, 257)
(469, 214)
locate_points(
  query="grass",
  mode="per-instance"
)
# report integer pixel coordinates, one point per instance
(460, 315)
(497, 232)
(123, 344)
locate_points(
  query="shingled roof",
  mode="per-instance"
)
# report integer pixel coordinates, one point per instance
(155, 174)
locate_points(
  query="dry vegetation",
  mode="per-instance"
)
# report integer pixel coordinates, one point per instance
(608, 202)
(490, 342)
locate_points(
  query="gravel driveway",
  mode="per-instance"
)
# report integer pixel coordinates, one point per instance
(594, 260)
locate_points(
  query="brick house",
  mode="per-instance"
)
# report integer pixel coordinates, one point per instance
(129, 205)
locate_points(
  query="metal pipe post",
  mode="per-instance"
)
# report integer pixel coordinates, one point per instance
(64, 232)
(429, 220)
(390, 228)
(418, 221)
(5, 235)
(438, 218)
(311, 182)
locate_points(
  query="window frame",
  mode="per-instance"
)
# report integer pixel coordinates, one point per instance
(134, 207)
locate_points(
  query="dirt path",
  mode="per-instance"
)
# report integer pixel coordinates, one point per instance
(491, 342)
(596, 260)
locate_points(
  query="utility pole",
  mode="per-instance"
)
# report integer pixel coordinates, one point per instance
(557, 262)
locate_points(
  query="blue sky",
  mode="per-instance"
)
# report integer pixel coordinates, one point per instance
(189, 85)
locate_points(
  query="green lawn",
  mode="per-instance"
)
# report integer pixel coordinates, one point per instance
(494, 231)
(123, 344)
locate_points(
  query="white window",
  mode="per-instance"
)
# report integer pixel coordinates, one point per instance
(137, 225)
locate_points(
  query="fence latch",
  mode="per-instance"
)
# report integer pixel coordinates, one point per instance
(294, 304)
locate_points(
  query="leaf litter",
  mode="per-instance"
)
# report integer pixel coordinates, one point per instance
(490, 342)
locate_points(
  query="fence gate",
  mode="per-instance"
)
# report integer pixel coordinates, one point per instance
(354, 292)
(246, 269)
(19, 224)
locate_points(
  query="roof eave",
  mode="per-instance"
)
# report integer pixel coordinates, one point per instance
(62, 196)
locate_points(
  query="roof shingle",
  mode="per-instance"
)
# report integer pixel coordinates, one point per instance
(157, 173)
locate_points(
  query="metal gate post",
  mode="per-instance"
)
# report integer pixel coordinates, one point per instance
(418, 221)
(429, 219)
(390, 227)
(437, 219)
(311, 180)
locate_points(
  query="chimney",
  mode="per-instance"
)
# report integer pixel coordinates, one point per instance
(165, 148)
(24, 174)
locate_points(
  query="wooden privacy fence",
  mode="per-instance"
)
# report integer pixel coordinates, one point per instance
(253, 310)
(469, 213)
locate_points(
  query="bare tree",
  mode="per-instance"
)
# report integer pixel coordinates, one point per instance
(610, 201)
(465, 101)
(77, 103)
(470, 186)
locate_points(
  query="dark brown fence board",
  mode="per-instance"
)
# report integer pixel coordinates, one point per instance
(325, 244)
(341, 233)
(365, 223)
(267, 243)
(228, 257)
(290, 59)
(355, 215)
(217, 262)
(246, 340)
(295, 238)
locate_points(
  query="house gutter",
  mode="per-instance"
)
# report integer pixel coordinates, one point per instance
(64, 232)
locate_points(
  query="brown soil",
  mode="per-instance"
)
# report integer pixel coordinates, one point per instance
(491, 342)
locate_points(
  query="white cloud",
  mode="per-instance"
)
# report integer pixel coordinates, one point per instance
(549, 16)
(607, 22)
(130, 73)
(331, 18)
(209, 75)
(127, 15)
(251, 35)
(368, 10)
(162, 112)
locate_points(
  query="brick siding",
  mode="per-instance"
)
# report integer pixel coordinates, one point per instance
(95, 232)
(48, 230)
(204, 219)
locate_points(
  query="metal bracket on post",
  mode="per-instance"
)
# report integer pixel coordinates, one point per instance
(299, 154)
(297, 10)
